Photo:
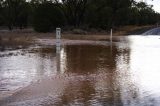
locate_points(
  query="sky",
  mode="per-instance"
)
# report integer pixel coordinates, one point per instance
(155, 3)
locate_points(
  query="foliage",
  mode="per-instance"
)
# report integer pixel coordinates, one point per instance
(14, 13)
(74, 11)
(1, 22)
(143, 14)
(47, 16)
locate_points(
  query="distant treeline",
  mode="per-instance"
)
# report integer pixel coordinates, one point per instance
(46, 15)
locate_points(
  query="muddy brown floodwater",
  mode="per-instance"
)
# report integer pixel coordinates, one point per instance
(124, 73)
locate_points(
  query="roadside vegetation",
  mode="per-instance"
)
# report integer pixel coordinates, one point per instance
(46, 15)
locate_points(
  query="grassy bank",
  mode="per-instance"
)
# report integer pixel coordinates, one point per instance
(26, 37)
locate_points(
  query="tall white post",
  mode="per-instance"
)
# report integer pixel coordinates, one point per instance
(111, 36)
(58, 48)
(58, 33)
(58, 39)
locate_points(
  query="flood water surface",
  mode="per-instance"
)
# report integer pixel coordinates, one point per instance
(124, 73)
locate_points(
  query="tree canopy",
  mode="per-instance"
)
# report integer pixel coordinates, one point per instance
(45, 15)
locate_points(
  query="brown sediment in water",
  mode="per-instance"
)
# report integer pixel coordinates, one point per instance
(50, 88)
(89, 75)
(43, 88)
(54, 86)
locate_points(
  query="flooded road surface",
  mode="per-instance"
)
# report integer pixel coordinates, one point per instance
(125, 73)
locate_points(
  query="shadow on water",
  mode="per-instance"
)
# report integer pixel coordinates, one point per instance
(125, 74)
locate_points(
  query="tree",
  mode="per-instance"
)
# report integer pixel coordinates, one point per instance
(118, 8)
(74, 11)
(108, 13)
(142, 14)
(47, 16)
(1, 8)
(97, 14)
(14, 13)
(8, 13)
(22, 16)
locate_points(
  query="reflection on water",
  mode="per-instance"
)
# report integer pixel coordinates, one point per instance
(18, 68)
(126, 74)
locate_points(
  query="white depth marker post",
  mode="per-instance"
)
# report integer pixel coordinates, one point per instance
(58, 39)
(58, 48)
(111, 36)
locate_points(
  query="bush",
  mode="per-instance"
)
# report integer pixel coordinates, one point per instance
(79, 31)
(46, 17)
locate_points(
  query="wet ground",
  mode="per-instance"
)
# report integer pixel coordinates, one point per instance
(82, 73)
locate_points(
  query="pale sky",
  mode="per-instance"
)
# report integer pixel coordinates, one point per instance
(155, 3)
